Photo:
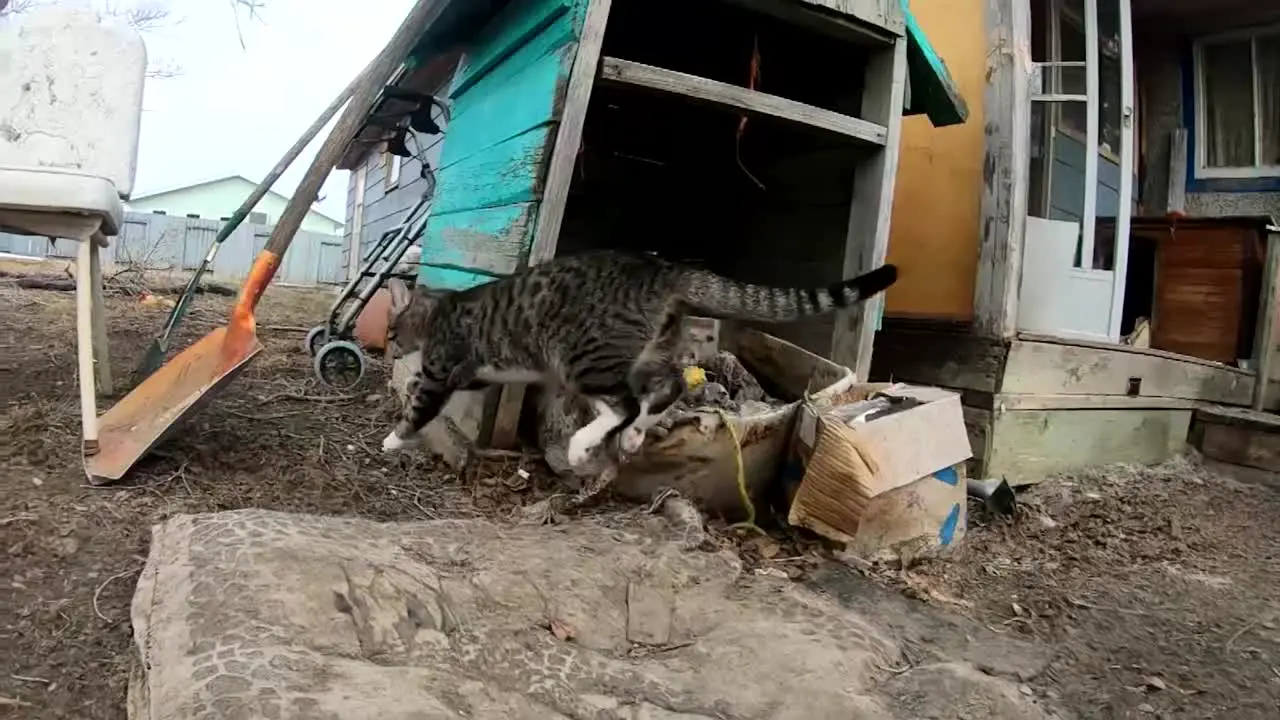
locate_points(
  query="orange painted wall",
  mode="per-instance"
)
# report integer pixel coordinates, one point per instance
(934, 231)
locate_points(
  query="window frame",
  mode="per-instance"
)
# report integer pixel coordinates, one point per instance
(391, 178)
(1201, 171)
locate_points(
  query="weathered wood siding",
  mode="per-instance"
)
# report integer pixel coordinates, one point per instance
(386, 206)
(507, 100)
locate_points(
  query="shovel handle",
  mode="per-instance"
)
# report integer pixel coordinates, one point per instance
(365, 92)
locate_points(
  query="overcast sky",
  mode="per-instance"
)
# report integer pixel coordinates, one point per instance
(234, 110)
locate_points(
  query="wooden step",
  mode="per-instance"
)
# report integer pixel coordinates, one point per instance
(1239, 436)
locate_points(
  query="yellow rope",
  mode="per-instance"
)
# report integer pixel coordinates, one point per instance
(693, 377)
(750, 522)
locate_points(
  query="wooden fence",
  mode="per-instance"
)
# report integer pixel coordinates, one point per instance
(166, 243)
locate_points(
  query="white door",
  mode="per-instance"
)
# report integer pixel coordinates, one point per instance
(1082, 167)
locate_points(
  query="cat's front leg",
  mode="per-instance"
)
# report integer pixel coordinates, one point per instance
(587, 438)
(427, 398)
(661, 386)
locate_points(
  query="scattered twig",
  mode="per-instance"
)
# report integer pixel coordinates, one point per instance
(1232, 640)
(269, 416)
(310, 398)
(13, 702)
(644, 651)
(98, 591)
(285, 328)
(27, 678)
(20, 517)
(1105, 608)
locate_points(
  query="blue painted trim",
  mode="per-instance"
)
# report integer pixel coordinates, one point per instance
(1187, 65)
(948, 475)
(948, 531)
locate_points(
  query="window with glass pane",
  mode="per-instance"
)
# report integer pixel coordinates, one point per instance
(1238, 97)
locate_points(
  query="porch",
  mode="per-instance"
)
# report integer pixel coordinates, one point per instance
(1127, 263)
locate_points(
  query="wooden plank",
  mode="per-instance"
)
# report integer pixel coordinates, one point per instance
(699, 89)
(1239, 417)
(978, 424)
(1264, 343)
(509, 33)
(101, 343)
(504, 174)
(885, 14)
(1111, 347)
(1176, 202)
(1004, 401)
(490, 241)
(956, 360)
(867, 241)
(826, 23)
(1239, 445)
(555, 191)
(1029, 445)
(1045, 368)
(1005, 166)
(568, 140)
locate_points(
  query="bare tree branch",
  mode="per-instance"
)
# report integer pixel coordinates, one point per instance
(147, 16)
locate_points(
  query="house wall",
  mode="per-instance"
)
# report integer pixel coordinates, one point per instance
(217, 200)
(1162, 49)
(385, 204)
(1066, 192)
(935, 224)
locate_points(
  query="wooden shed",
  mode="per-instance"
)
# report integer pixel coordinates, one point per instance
(757, 137)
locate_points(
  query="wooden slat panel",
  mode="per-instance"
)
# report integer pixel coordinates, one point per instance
(507, 101)
(1199, 306)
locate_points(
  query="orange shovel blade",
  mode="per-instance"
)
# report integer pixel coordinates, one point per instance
(136, 424)
(182, 386)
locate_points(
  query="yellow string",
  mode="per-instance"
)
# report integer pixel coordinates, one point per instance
(750, 522)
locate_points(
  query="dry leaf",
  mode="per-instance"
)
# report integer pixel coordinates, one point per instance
(769, 549)
(561, 630)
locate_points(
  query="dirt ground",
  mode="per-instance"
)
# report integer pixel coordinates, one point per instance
(1150, 593)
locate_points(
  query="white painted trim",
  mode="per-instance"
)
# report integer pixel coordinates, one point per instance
(1262, 171)
(1128, 117)
(391, 180)
(1201, 171)
(1006, 101)
(1088, 218)
(360, 177)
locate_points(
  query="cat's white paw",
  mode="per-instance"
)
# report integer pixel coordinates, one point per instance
(631, 440)
(393, 442)
(579, 450)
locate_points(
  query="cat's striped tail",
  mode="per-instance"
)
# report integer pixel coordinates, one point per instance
(718, 296)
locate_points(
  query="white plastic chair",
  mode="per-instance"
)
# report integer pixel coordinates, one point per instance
(70, 112)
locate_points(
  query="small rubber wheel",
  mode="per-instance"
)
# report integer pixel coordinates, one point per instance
(340, 364)
(316, 338)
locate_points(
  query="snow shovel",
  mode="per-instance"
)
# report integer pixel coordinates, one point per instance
(133, 426)
(155, 354)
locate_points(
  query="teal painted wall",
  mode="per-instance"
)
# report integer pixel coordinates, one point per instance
(506, 103)
(220, 198)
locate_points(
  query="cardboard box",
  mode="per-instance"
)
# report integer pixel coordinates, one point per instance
(883, 472)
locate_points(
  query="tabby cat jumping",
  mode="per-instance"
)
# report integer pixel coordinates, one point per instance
(603, 324)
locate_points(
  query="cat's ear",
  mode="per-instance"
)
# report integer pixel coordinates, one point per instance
(401, 294)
